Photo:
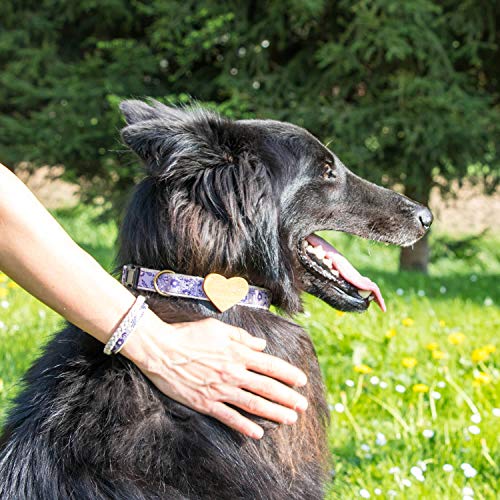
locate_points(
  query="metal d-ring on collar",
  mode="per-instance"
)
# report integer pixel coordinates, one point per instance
(155, 281)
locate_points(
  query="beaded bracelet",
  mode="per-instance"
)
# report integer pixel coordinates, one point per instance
(127, 326)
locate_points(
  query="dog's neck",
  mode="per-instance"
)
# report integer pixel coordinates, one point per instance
(221, 292)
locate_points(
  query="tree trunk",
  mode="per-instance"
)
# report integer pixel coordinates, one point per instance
(416, 257)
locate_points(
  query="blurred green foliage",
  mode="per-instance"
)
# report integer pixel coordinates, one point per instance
(403, 91)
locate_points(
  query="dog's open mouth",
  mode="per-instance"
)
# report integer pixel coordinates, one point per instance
(328, 263)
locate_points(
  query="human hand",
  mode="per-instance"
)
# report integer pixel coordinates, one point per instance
(206, 364)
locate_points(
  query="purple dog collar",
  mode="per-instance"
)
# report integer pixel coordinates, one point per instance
(172, 284)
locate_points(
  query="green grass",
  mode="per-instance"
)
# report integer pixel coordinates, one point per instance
(377, 433)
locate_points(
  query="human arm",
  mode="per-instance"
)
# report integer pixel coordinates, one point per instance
(203, 364)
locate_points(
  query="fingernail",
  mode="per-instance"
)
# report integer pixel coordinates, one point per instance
(302, 405)
(291, 419)
(260, 342)
(302, 380)
(257, 434)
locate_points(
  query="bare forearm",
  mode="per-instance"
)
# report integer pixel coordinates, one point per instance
(38, 254)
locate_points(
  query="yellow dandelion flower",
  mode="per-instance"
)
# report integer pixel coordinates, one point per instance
(490, 348)
(482, 378)
(456, 338)
(390, 333)
(437, 354)
(363, 369)
(420, 388)
(3, 278)
(12, 284)
(442, 323)
(3, 293)
(479, 355)
(408, 322)
(409, 362)
(432, 346)
(1, 384)
(340, 313)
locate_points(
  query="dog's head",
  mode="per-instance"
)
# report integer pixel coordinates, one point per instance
(244, 198)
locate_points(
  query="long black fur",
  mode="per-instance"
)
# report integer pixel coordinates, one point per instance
(235, 198)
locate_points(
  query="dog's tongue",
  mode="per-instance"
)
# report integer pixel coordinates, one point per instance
(347, 270)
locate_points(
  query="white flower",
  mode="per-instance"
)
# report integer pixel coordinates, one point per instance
(4, 304)
(465, 465)
(447, 467)
(488, 301)
(391, 493)
(422, 465)
(468, 491)
(476, 418)
(496, 412)
(473, 278)
(394, 470)
(400, 388)
(400, 291)
(421, 293)
(364, 493)
(377, 491)
(428, 433)
(435, 395)
(469, 472)
(264, 44)
(42, 313)
(339, 408)
(365, 447)
(383, 385)
(474, 429)
(441, 384)
(442, 289)
(417, 472)
(406, 482)
(467, 497)
(349, 382)
(256, 84)
(381, 439)
(374, 380)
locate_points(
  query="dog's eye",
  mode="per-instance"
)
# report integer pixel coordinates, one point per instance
(328, 171)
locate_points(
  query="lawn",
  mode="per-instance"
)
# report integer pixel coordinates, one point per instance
(415, 406)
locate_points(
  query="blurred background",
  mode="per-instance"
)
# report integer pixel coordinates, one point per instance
(406, 93)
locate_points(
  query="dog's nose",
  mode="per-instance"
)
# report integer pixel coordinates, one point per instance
(425, 217)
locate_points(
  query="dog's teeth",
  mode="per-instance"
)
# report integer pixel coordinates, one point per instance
(319, 252)
(335, 272)
(328, 263)
(365, 293)
(310, 249)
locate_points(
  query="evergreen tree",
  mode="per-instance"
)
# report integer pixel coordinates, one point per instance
(405, 92)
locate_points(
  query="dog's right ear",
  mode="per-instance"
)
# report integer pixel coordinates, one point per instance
(152, 129)
(135, 111)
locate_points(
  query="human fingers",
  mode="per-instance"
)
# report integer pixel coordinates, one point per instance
(243, 337)
(275, 367)
(259, 406)
(273, 390)
(235, 420)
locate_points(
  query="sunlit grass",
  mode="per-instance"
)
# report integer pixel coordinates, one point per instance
(413, 393)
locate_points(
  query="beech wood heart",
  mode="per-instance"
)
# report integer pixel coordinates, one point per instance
(224, 292)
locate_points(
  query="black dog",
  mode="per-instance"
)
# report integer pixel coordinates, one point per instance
(236, 198)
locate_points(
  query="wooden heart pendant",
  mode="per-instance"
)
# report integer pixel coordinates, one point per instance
(223, 292)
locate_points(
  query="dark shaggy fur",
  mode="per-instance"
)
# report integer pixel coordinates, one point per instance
(237, 198)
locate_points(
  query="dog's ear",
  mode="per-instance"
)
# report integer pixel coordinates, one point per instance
(152, 130)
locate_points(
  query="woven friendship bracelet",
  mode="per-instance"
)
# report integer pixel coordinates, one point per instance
(127, 326)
